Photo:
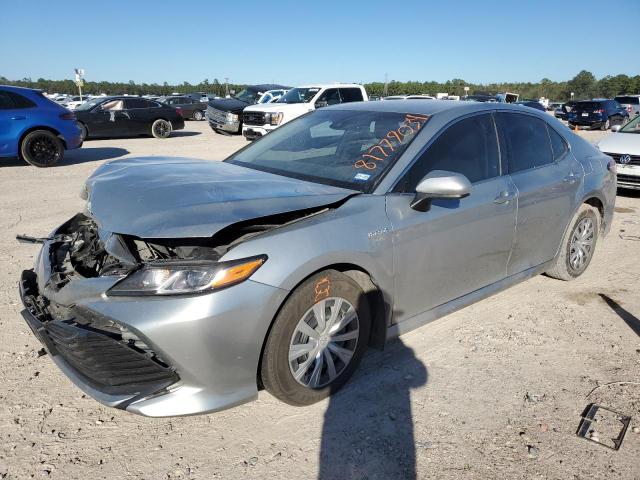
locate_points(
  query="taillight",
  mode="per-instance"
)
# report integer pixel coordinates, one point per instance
(68, 116)
(179, 111)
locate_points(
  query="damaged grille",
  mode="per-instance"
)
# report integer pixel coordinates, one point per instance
(105, 362)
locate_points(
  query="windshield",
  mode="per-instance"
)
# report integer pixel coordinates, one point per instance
(299, 95)
(247, 96)
(349, 149)
(88, 105)
(632, 127)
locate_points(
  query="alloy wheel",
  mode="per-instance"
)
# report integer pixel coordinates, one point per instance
(581, 245)
(162, 128)
(44, 150)
(323, 342)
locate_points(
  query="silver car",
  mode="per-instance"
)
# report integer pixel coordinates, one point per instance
(187, 286)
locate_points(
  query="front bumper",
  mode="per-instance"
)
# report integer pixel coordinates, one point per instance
(252, 132)
(210, 344)
(628, 176)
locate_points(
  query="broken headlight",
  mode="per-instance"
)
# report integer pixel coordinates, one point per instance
(175, 278)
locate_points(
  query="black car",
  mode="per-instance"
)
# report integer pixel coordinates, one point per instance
(191, 108)
(127, 116)
(597, 113)
(225, 114)
(532, 104)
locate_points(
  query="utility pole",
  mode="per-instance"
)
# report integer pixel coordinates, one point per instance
(385, 90)
(79, 74)
(226, 86)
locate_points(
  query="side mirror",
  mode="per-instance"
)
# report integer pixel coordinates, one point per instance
(440, 184)
(616, 128)
(322, 103)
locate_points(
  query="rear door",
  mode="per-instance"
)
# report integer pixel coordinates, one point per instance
(15, 111)
(547, 178)
(140, 115)
(458, 246)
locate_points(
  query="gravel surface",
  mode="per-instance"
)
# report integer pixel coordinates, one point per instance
(493, 391)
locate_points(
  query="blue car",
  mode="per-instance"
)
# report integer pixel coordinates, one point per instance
(35, 128)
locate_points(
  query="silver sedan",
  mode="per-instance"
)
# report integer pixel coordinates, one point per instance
(186, 286)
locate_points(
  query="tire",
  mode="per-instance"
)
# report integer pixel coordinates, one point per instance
(329, 289)
(161, 128)
(197, 115)
(84, 133)
(564, 267)
(605, 125)
(41, 148)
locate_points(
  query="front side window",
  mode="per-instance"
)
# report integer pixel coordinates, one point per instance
(349, 149)
(524, 140)
(330, 95)
(113, 105)
(469, 147)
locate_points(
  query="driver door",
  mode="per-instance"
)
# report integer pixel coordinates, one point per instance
(107, 119)
(459, 245)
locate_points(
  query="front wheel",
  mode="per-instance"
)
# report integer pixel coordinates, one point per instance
(161, 128)
(578, 245)
(317, 340)
(41, 148)
(197, 115)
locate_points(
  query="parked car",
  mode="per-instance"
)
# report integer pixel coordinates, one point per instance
(187, 285)
(127, 116)
(532, 104)
(225, 114)
(597, 113)
(74, 102)
(631, 103)
(34, 128)
(190, 108)
(258, 120)
(623, 145)
(198, 96)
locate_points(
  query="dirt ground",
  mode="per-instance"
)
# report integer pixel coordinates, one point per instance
(493, 391)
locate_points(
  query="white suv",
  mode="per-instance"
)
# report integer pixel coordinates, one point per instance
(258, 120)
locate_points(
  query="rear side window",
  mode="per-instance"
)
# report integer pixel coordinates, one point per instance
(10, 100)
(137, 103)
(351, 95)
(524, 140)
(469, 147)
(558, 144)
(628, 100)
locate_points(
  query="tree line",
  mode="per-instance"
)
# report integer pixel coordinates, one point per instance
(584, 85)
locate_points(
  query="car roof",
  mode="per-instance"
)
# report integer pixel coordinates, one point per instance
(11, 88)
(449, 108)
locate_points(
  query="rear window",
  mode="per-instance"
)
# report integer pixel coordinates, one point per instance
(628, 100)
(588, 106)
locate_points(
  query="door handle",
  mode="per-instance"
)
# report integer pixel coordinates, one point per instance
(504, 197)
(571, 178)
(19, 117)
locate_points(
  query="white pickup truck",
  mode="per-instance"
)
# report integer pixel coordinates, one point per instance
(258, 120)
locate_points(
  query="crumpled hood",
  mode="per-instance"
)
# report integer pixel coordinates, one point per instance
(163, 197)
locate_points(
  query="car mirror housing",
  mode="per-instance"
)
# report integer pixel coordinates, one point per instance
(616, 128)
(440, 184)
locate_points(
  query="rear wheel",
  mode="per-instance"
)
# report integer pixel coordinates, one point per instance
(606, 125)
(578, 245)
(84, 133)
(317, 340)
(161, 128)
(41, 148)
(197, 115)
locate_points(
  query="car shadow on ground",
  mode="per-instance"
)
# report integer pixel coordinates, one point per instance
(73, 157)
(368, 426)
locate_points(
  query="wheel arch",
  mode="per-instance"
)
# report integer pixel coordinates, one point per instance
(374, 296)
(41, 127)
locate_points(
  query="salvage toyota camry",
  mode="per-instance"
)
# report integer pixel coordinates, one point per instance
(187, 286)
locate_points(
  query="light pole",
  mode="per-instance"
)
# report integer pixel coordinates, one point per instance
(79, 83)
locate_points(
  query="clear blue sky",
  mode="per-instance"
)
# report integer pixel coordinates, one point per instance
(300, 42)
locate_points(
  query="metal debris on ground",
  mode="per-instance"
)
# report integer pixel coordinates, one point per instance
(603, 426)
